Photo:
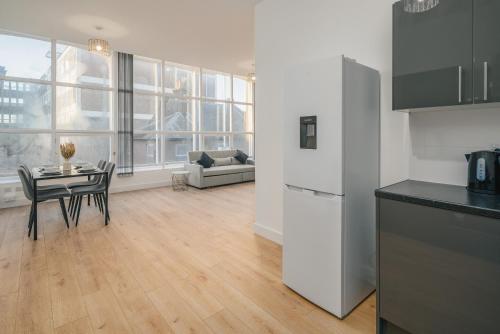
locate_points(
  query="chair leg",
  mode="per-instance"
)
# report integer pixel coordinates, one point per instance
(101, 197)
(30, 216)
(88, 200)
(104, 209)
(109, 215)
(79, 207)
(63, 209)
(71, 206)
(70, 203)
(75, 207)
(99, 202)
(95, 200)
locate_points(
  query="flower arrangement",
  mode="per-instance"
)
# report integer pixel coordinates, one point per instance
(67, 152)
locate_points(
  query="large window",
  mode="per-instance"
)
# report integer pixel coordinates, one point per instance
(190, 109)
(53, 92)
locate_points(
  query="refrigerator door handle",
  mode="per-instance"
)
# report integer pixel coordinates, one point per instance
(310, 192)
(324, 195)
(293, 188)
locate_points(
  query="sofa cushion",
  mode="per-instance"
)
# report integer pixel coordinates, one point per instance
(241, 157)
(195, 155)
(205, 160)
(223, 161)
(232, 169)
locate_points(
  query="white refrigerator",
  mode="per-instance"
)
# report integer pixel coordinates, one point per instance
(331, 170)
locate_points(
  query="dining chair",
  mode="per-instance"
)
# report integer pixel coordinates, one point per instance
(98, 190)
(42, 196)
(91, 181)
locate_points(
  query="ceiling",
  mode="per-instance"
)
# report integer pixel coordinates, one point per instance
(215, 34)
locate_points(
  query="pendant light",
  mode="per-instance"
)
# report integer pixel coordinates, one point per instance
(419, 6)
(99, 46)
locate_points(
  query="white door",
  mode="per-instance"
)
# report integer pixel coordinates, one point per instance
(312, 247)
(314, 89)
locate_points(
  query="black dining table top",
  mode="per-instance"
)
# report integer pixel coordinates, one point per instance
(38, 174)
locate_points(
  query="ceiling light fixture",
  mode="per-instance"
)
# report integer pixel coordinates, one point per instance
(419, 6)
(99, 46)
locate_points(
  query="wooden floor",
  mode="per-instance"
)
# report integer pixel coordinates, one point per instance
(169, 262)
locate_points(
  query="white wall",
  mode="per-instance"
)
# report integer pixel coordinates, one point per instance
(439, 140)
(288, 32)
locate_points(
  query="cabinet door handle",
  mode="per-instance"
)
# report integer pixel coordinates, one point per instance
(485, 83)
(459, 84)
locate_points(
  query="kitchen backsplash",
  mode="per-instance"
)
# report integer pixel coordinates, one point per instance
(439, 140)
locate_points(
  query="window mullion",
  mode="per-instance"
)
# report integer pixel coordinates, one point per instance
(160, 125)
(53, 73)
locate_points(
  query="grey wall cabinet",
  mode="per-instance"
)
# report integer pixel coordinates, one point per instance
(432, 56)
(446, 56)
(486, 51)
(438, 270)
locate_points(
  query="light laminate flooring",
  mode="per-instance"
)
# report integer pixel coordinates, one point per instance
(168, 262)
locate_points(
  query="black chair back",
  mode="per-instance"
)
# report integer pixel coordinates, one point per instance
(26, 182)
(28, 173)
(109, 169)
(100, 165)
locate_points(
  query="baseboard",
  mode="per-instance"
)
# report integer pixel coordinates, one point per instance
(268, 233)
(139, 186)
(14, 203)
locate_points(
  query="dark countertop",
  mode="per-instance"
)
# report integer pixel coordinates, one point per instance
(443, 196)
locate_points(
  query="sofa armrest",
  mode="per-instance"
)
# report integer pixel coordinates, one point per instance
(250, 161)
(195, 174)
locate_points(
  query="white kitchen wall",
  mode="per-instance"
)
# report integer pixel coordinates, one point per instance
(439, 140)
(288, 32)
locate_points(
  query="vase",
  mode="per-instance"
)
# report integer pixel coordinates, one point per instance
(66, 165)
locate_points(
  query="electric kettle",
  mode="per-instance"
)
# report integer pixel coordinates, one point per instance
(484, 171)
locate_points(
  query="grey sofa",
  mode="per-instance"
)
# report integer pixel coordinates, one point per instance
(235, 172)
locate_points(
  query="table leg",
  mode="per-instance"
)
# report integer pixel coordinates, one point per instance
(88, 197)
(35, 211)
(106, 202)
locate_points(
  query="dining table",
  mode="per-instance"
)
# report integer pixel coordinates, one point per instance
(39, 175)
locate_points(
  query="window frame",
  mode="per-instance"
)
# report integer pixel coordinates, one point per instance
(162, 134)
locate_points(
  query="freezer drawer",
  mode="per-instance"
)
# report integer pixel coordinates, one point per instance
(312, 246)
